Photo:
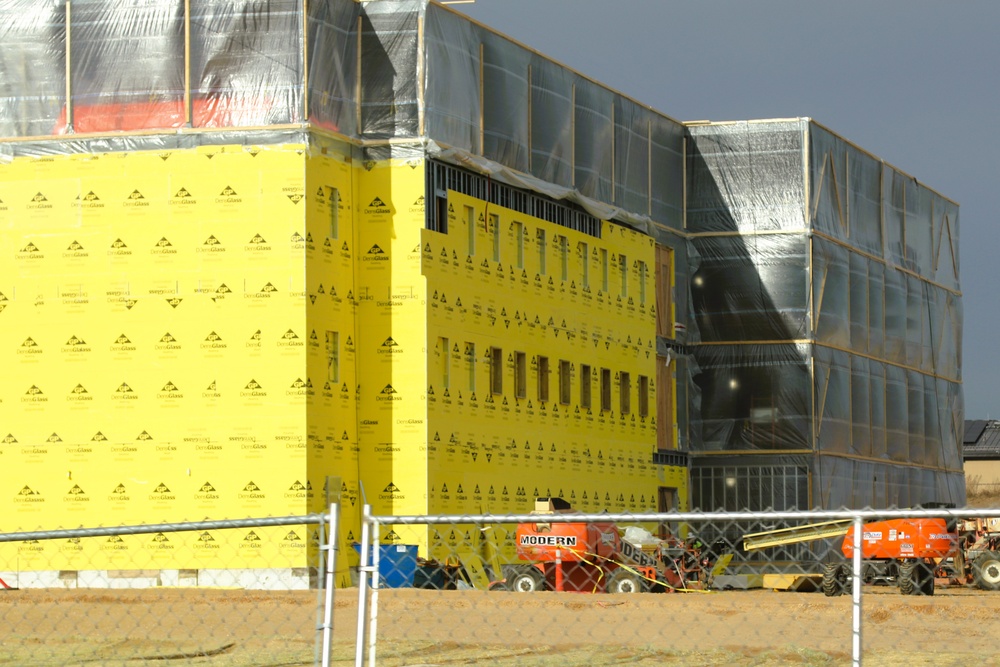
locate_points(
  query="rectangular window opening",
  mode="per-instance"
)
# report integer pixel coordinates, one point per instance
(585, 386)
(605, 390)
(470, 360)
(542, 251)
(643, 396)
(543, 379)
(333, 356)
(564, 381)
(604, 270)
(496, 370)
(625, 393)
(623, 269)
(642, 283)
(495, 226)
(439, 222)
(564, 258)
(521, 374)
(585, 258)
(470, 219)
(445, 351)
(334, 205)
(519, 244)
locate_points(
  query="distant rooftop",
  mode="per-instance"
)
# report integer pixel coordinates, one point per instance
(981, 439)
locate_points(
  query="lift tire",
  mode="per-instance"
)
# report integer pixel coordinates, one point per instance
(527, 580)
(834, 582)
(623, 581)
(925, 579)
(908, 584)
(986, 572)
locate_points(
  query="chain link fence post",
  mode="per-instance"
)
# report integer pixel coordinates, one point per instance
(331, 567)
(364, 570)
(856, 535)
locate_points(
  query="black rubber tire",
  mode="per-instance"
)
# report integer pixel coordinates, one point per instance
(623, 581)
(527, 580)
(986, 571)
(925, 575)
(908, 584)
(834, 580)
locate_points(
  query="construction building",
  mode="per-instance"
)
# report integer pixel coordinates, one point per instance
(262, 256)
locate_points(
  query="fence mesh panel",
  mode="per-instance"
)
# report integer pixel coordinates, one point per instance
(548, 588)
(717, 588)
(143, 612)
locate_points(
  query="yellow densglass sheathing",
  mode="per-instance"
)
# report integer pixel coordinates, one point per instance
(570, 319)
(154, 337)
(331, 252)
(390, 298)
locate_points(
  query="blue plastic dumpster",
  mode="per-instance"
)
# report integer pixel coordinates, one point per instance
(397, 564)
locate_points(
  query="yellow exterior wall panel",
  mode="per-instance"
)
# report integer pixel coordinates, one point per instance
(248, 331)
(155, 332)
(391, 297)
(544, 296)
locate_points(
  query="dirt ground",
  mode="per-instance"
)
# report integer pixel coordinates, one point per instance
(223, 628)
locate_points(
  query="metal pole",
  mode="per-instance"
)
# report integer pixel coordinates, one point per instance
(188, 114)
(363, 570)
(856, 595)
(331, 566)
(305, 61)
(69, 67)
(373, 612)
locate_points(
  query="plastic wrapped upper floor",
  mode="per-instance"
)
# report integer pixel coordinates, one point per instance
(796, 176)
(384, 70)
(802, 236)
(100, 66)
(827, 298)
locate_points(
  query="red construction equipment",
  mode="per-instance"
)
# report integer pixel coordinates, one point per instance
(913, 554)
(595, 557)
(901, 552)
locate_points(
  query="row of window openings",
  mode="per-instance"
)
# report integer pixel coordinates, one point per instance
(543, 250)
(520, 360)
(562, 241)
(543, 371)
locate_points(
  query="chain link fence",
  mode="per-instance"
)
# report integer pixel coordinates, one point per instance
(143, 612)
(747, 588)
(553, 587)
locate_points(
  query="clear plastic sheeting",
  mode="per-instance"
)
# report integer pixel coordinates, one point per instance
(878, 485)
(841, 336)
(246, 62)
(490, 97)
(861, 201)
(33, 63)
(751, 287)
(551, 135)
(127, 66)
(392, 70)
(390, 105)
(505, 102)
(452, 91)
(167, 64)
(333, 66)
(746, 177)
(753, 397)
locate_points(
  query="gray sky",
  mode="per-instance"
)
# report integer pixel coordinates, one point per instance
(913, 81)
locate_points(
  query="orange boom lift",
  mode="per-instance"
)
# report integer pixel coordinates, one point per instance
(597, 557)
